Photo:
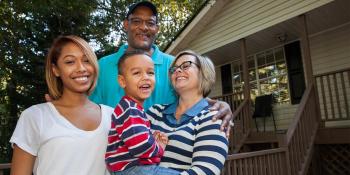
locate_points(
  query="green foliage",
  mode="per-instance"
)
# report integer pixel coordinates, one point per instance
(27, 28)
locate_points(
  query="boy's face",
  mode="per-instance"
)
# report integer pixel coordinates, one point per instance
(137, 77)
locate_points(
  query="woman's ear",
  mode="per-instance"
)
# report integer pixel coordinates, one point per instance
(55, 70)
(121, 81)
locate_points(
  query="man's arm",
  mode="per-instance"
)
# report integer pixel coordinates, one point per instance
(224, 113)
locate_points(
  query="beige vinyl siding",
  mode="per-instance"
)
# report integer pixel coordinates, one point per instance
(330, 51)
(241, 18)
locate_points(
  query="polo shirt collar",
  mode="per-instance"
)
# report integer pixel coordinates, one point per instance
(156, 55)
(193, 111)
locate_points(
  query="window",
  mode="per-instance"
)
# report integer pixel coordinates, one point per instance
(267, 75)
(226, 77)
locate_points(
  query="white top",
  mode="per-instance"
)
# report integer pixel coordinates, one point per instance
(59, 146)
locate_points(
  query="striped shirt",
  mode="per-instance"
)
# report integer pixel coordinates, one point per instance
(196, 144)
(130, 141)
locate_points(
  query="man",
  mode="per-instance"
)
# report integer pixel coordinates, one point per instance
(141, 25)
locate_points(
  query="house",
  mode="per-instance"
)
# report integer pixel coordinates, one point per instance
(298, 51)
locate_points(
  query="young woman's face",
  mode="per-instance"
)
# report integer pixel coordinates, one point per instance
(185, 76)
(74, 69)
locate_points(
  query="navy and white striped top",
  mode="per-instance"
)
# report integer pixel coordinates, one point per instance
(196, 144)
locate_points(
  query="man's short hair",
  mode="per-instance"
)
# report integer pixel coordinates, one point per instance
(148, 4)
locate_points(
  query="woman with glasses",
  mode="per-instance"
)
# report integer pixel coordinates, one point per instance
(196, 144)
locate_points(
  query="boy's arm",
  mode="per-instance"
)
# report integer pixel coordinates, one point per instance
(136, 135)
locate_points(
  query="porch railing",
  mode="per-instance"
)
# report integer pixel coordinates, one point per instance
(3, 167)
(334, 94)
(301, 133)
(242, 126)
(233, 99)
(241, 119)
(295, 154)
(266, 162)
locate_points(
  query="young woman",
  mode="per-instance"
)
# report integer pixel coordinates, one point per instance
(196, 144)
(69, 134)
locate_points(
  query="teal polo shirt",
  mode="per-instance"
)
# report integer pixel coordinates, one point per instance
(108, 91)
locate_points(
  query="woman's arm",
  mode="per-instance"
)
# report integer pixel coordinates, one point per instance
(210, 148)
(22, 162)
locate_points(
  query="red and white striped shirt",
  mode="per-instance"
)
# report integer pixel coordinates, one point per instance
(130, 141)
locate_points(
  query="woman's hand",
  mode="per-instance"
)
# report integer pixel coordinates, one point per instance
(224, 113)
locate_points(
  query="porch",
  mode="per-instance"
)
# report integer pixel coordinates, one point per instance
(313, 143)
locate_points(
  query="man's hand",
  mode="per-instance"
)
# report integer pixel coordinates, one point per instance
(48, 98)
(224, 113)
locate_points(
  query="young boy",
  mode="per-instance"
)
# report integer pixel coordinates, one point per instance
(131, 146)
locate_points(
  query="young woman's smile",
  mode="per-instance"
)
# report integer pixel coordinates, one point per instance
(74, 69)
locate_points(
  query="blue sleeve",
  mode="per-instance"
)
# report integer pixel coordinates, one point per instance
(97, 96)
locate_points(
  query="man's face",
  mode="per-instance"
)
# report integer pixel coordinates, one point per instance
(141, 28)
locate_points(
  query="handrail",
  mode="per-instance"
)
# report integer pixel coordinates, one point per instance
(333, 94)
(332, 72)
(272, 161)
(5, 166)
(255, 153)
(301, 133)
(298, 114)
(239, 109)
(229, 94)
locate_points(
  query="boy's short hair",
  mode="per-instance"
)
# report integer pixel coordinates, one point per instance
(54, 84)
(128, 54)
(206, 71)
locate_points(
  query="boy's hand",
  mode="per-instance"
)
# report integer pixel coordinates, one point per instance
(161, 139)
(224, 113)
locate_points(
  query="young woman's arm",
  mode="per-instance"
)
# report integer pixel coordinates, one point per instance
(22, 162)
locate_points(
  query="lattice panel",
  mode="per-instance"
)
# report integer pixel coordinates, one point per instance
(335, 159)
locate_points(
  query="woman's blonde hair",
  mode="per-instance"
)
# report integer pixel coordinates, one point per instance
(53, 82)
(206, 74)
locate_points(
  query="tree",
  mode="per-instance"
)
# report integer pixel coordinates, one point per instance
(27, 28)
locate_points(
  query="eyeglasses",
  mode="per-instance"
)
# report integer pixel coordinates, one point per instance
(184, 66)
(138, 22)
